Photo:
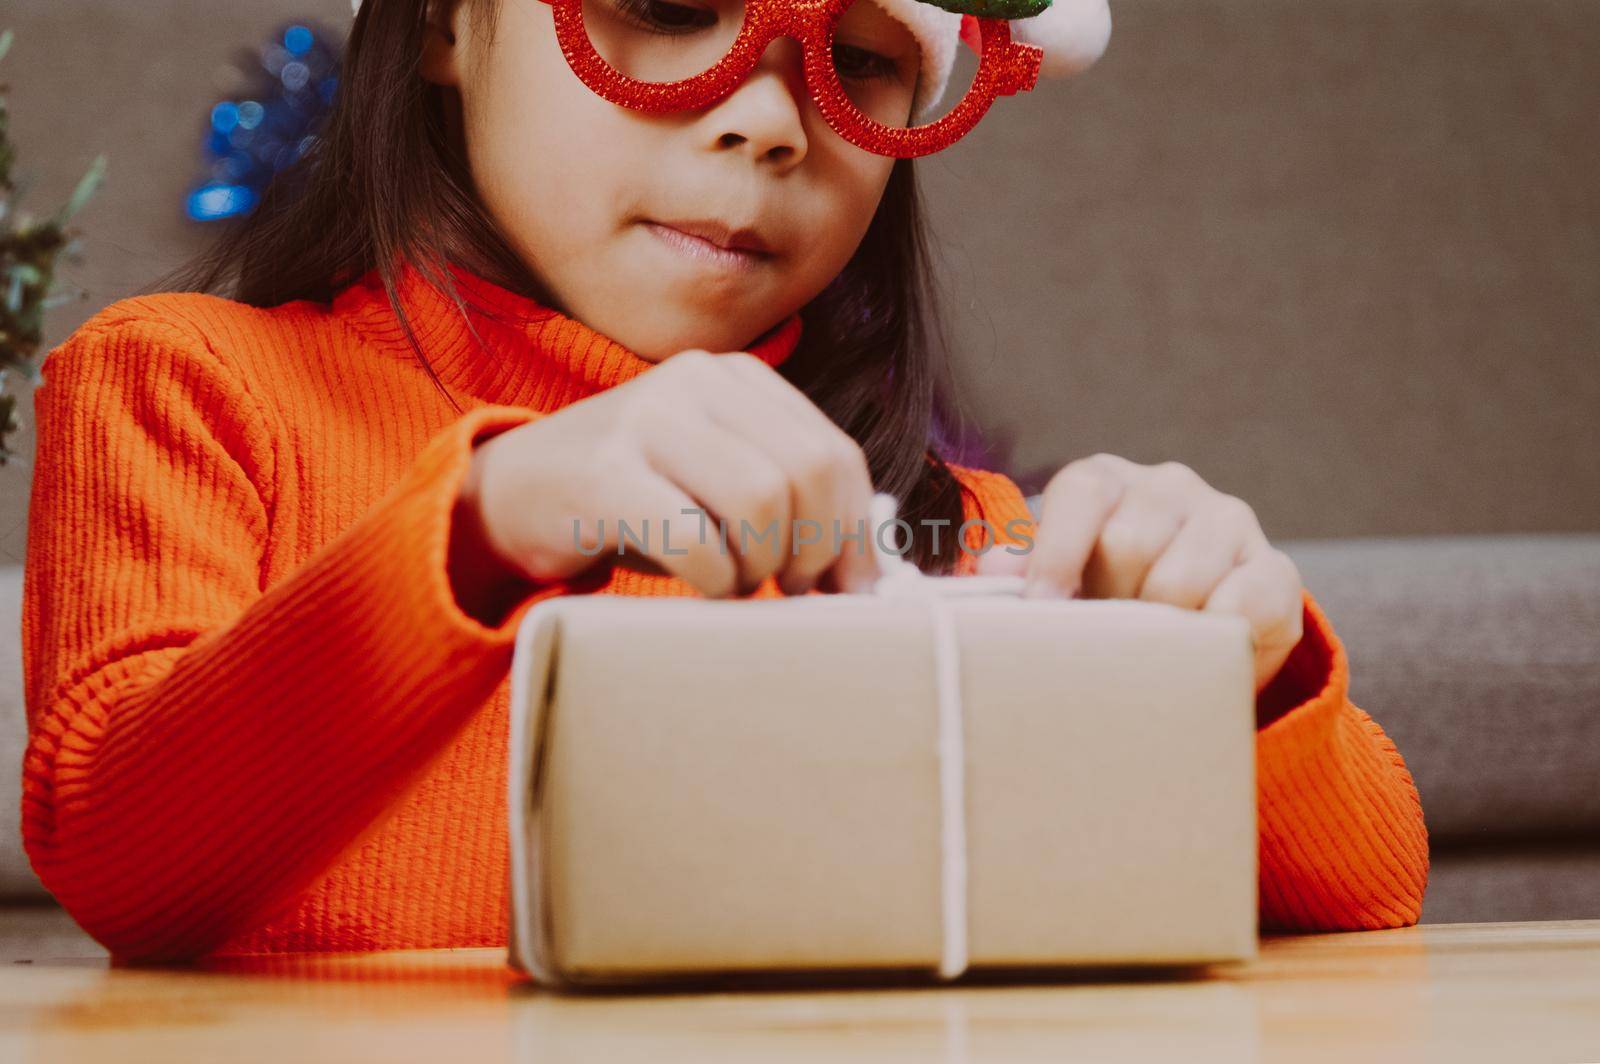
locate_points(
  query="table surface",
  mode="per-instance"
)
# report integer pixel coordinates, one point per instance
(1457, 992)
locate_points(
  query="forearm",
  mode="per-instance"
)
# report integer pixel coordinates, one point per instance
(183, 783)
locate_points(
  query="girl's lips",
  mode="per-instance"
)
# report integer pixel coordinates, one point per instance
(703, 250)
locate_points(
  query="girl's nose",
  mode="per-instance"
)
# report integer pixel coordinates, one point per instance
(765, 114)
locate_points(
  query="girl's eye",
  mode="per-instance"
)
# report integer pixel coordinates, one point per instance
(860, 64)
(661, 17)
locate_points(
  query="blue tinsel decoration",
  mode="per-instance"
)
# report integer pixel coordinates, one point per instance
(249, 140)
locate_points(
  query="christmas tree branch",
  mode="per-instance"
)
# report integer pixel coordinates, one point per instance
(30, 251)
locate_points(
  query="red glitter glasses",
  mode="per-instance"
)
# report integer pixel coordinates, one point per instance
(662, 55)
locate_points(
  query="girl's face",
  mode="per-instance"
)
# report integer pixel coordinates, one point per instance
(587, 192)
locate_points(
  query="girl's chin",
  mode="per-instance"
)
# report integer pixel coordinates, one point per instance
(675, 327)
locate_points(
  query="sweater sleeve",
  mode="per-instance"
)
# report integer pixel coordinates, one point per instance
(202, 747)
(1343, 845)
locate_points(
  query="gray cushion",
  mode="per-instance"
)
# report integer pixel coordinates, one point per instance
(16, 875)
(1480, 656)
(1519, 882)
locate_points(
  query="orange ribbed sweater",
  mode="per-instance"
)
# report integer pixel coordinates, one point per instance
(259, 719)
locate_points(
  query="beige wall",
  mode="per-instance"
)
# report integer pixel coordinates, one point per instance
(134, 79)
(1343, 258)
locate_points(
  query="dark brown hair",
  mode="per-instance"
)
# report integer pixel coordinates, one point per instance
(385, 183)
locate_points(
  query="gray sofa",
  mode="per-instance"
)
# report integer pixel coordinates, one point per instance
(1480, 655)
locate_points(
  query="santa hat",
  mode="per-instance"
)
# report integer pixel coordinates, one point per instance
(1071, 33)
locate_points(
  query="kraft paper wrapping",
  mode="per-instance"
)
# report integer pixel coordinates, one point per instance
(704, 786)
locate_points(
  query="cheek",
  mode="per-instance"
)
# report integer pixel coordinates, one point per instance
(847, 200)
(532, 143)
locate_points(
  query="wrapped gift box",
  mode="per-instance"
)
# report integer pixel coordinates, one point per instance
(704, 786)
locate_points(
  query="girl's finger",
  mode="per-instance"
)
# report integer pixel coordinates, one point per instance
(733, 483)
(856, 565)
(760, 375)
(826, 471)
(639, 495)
(1266, 591)
(1077, 501)
(1135, 534)
(1209, 545)
(1001, 562)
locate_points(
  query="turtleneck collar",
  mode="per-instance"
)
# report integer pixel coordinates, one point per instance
(531, 355)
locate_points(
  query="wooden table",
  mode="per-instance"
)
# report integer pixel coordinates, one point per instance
(1448, 992)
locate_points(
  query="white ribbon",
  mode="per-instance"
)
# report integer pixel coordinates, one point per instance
(901, 579)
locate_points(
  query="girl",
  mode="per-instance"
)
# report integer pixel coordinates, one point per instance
(279, 543)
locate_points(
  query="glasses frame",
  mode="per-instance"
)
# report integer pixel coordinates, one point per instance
(1005, 67)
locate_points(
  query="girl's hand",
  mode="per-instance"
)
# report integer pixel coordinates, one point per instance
(1111, 528)
(722, 436)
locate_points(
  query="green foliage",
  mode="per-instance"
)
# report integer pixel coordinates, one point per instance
(30, 250)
